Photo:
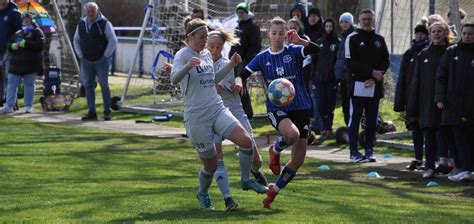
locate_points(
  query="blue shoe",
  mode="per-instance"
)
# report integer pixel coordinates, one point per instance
(254, 185)
(369, 155)
(356, 157)
(205, 201)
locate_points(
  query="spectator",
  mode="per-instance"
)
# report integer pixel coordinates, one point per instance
(325, 94)
(95, 42)
(299, 12)
(421, 103)
(402, 92)
(197, 13)
(346, 22)
(25, 48)
(314, 29)
(455, 95)
(452, 26)
(10, 22)
(250, 45)
(367, 60)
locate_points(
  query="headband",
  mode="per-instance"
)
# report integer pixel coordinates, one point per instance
(197, 28)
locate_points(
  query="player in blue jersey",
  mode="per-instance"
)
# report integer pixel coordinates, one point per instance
(292, 121)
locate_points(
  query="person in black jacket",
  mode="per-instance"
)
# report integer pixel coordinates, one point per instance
(455, 95)
(421, 103)
(250, 45)
(26, 61)
(367, 61)
(402, 92)
(325, 82)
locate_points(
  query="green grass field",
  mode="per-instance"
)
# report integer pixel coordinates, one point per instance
(56, 173)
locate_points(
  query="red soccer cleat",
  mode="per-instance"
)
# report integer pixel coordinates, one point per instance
(271, 195)
(274, 164)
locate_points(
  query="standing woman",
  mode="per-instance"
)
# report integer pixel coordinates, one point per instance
(421, 103)
(231, 100)
(292, 121)
(204, 112)
(325, 94)
(26, 62)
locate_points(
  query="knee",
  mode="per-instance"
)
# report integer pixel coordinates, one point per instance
(247, 143)
(292, 138)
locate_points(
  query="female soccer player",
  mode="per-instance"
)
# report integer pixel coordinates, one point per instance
(292, 121)
(204, 112)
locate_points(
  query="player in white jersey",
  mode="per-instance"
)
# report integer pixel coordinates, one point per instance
(204, 111)
(292, 121)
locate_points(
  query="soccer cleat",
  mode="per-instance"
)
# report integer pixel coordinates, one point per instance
(444, 169)
(415, 164)
(428, 174)
(254, 185)
(274, 164)
(230, 204)
(205, 201)
(90, 117)
(271, 195)
(260, 177)
(356, 157)
(28, 110)
(464, 176)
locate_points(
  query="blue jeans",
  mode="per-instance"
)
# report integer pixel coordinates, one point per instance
(29, 88)
(89, 71)
(326, 96)
(4, 63)
(356, 106)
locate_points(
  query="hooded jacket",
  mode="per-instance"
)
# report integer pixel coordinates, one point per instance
(421, 103)
(454, 85)
(95, 40)
(324, 69)
(29, 59)
(340, 69)
(366, 51)
(10, 22)
(402, 91)
(299, 6)
(250, 40)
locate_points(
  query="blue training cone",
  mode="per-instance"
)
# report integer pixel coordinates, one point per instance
(432, 184)
(387, 156)
(324, 167)
(373, 174)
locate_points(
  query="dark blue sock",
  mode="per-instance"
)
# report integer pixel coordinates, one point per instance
(280, 144)
(286, 176)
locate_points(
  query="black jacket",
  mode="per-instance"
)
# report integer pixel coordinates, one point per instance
(454, 85)
(421, 103)
(324, 68)
(29, 59)
(402, 91)
(367, 52)
(250, 40)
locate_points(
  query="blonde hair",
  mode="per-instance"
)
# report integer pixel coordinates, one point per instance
(277, 21)
(295, 22)
(450, 38)
(192, 26)
(226, 35)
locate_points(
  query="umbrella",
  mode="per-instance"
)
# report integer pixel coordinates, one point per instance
(41, 16)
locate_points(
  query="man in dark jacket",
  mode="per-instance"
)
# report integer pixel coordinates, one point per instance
(455, 95)
(10, 22)
(26, 61)
(367, 60)
(95, 42)
(250, 45)
(403, 89)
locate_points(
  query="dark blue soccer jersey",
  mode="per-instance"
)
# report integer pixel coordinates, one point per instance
(288, 64)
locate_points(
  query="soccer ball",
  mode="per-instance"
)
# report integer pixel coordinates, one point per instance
(281, 92)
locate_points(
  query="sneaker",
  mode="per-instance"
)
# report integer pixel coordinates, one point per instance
(444, 169)
(454, 172)
(28, 110)
(205, 201)
(415, 164)
(357, 157)
(464, 176)
(6, 110)
(369, 155)
(260, 177)
(428, 174)
(254, 185)
(274, 164)
(90, 117)
(230, 204)
(271, 194)
(107, 116)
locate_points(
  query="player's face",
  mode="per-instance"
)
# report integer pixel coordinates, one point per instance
(198, 40)
(420, 36)
(366, 20)
(438, 34)
(328, 27)
(345, 25)
(277, 35)
(467, 35)
(215, 46)
(313, 19)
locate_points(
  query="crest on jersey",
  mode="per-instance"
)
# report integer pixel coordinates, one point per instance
(378, 44)
(280, 71)
(456, 58)
(332, 47)
(287, 59)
